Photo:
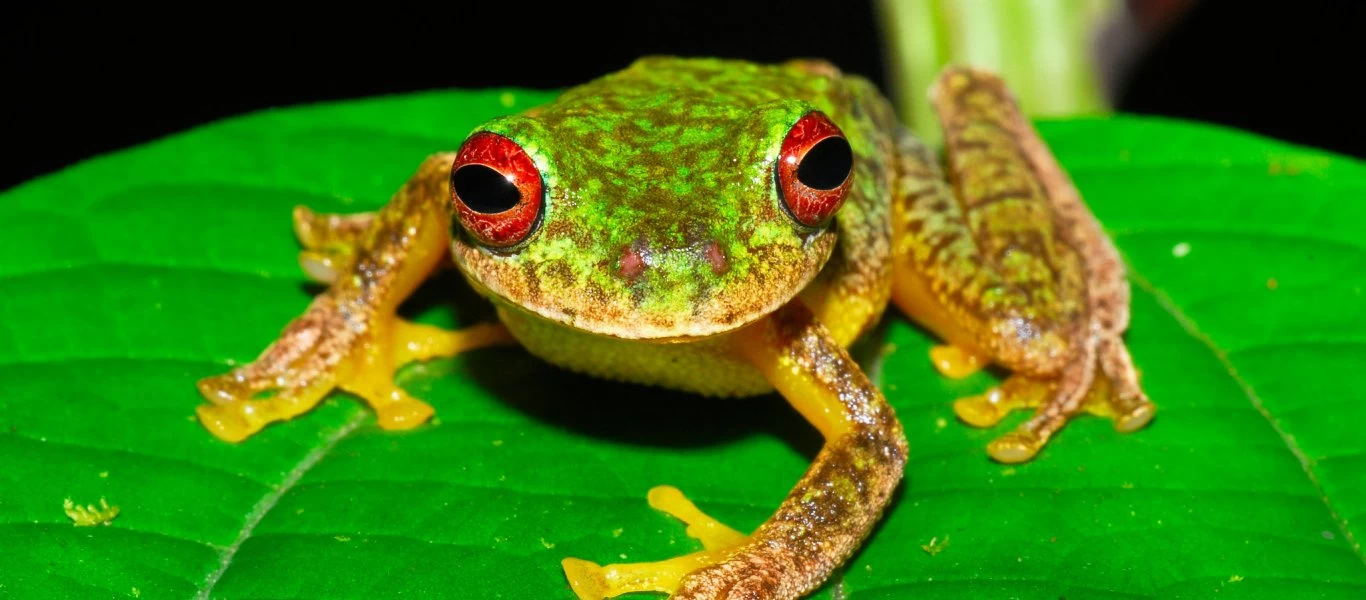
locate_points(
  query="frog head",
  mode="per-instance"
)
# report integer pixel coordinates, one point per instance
(674, 199)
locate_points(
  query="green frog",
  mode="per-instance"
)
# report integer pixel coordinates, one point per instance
(729, 229)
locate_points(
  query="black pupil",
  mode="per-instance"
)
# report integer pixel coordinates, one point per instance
(826, 164)
(484, 190)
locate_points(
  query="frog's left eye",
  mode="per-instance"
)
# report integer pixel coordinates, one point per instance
(815, 169)
(496, 189)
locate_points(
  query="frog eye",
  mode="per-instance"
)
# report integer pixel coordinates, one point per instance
(496, 190)
(815, 168)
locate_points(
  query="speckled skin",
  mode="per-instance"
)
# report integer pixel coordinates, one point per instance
(664, 256)
(673, 163)
(563, 294)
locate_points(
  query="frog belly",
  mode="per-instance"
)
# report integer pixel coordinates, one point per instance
(709, 366)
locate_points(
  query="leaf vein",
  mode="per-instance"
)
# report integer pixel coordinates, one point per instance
(1221, 356)
(269, 501)
(1296, 239)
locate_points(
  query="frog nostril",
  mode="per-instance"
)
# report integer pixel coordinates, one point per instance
(716, 257)
(632, 262)
(641, 255)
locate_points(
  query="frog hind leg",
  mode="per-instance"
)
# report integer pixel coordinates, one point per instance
(1103, 355)
(1002, 178)
(827, 514)
(350, 336)
(929, 248)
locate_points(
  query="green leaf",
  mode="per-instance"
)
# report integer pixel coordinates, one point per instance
(126, 278)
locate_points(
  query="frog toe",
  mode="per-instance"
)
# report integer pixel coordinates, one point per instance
(955, 362)
(713, 534)
(227, 424)
(323, 230)
(219, 389)
(1015, 447)
(591, 581)
(1134, 415)
(586, 578)
(322, 267)
(987, 409)
(396, 410)
(982, 410)
(329, 241)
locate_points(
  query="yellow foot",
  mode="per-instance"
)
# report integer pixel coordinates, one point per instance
(319, 352)
(1020, 392)
(713, 534)
(394, 408)
(987, 409)
(591, 581)
(956, 363)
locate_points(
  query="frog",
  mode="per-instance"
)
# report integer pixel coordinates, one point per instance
(728, 229)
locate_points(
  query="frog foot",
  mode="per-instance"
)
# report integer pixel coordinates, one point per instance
(329, 240)
(1114, 394)
(326, 348)
(591, 581)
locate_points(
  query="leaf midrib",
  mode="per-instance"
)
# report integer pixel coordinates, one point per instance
(268, 501)
(1221, 356)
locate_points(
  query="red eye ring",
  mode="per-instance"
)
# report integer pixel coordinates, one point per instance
(815, 169)
(496, 189)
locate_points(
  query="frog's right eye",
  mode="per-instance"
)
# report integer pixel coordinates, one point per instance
(815, 169)
(496, 189)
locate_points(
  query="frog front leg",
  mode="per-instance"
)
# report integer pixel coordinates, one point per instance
(350, 337)
(1003, 260)
(825, 517)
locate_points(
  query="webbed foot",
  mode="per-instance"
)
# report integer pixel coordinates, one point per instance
(322, 350)
(591, 581)
(1105, 386)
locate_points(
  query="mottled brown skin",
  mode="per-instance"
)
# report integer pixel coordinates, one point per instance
(1061, 302)
(1024, 309)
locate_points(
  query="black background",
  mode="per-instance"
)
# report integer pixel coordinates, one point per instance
(83, 81)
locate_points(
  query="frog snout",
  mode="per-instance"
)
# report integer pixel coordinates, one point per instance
(642, 255)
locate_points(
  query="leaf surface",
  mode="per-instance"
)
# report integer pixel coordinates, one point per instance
(126, 278)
